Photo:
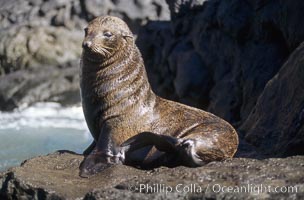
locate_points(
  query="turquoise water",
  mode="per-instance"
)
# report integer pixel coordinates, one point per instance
(39, 130)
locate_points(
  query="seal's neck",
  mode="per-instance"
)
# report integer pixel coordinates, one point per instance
(119, 85)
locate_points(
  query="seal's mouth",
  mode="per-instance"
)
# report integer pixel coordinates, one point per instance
(97, 53)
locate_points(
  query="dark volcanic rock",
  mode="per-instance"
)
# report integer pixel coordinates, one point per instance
(277, 121)
(56, 177)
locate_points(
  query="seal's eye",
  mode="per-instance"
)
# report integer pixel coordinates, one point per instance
(85, 31)
(107, 34)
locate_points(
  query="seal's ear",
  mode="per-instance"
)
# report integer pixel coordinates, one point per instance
(126, 35)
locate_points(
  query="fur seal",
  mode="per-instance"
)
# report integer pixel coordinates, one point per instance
(130, 124)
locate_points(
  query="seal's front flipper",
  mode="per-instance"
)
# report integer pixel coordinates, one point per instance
(98, 161)
(89, 149)
(93, 163)
(161, 142)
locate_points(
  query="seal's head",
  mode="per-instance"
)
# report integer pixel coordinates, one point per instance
(104, 37)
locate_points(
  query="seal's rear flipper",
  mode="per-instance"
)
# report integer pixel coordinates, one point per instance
(163, 143)
(182, 151)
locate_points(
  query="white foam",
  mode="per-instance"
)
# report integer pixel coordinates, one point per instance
(44, 115)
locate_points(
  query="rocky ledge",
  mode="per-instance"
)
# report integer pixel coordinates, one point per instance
(55, 176)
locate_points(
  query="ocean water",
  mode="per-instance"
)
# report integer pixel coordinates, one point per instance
(41, 129)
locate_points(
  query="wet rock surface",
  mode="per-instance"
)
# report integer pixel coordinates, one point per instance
(55, 176)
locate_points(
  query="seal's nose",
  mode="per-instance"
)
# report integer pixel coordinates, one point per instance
(86, 44)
